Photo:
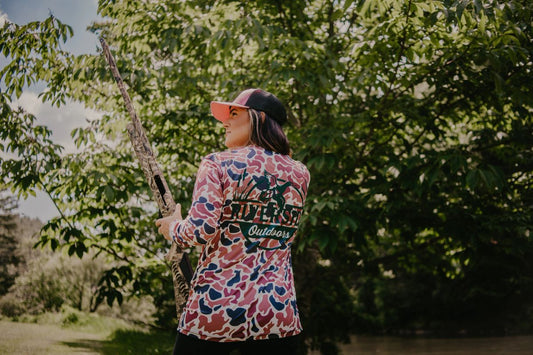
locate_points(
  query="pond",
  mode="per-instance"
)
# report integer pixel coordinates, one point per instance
(363, 345)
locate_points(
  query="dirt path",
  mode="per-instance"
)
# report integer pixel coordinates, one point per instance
(25, 338)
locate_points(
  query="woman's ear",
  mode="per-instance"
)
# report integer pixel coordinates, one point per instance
(263, 116)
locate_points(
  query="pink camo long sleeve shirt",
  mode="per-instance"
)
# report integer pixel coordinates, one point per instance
(247, 204)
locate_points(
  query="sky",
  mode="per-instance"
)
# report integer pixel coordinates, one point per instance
(79, 14)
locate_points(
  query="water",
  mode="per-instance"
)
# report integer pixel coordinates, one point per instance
(364, 345)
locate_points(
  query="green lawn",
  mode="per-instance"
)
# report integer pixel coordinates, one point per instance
(32, 338)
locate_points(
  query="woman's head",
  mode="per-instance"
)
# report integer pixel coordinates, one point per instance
(254, 117)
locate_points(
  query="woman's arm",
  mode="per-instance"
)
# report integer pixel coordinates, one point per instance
(202, 221)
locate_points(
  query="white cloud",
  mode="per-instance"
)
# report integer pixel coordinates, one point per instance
(29, 102)
(61, 121)
(40, 207)
(3, 18)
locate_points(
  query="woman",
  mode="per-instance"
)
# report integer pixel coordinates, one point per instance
(247, 203)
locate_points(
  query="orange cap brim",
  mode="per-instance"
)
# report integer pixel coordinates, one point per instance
(220, 109)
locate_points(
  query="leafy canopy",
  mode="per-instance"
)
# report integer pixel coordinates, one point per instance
(414, 118)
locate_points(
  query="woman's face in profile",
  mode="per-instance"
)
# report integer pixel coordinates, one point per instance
(238, 128)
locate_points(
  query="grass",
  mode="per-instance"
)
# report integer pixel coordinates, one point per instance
(71, 332)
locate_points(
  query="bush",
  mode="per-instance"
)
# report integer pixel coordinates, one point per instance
(70, 318)
(11, 306)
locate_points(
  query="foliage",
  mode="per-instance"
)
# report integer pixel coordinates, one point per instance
(50, 281)
(11, 306)
(9, 258)
(413, 116)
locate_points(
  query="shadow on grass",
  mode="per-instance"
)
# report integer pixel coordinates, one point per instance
(129, 342)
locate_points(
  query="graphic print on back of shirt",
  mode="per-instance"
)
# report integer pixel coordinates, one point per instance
(267, 210)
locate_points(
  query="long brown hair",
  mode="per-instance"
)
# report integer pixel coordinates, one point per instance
(267, 133)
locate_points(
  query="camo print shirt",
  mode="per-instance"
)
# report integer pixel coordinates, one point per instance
(246, 206)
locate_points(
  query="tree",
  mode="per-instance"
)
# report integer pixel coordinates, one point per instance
(414, 118)
(9, 258)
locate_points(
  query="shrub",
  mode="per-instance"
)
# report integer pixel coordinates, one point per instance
(11, 306)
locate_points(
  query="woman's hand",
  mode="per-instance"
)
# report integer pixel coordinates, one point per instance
(163, 224)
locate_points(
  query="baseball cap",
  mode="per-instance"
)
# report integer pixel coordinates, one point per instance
(256, 99)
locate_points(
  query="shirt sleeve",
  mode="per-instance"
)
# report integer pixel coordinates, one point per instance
(202, 221)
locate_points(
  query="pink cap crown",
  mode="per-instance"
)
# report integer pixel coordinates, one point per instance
(251, 98)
